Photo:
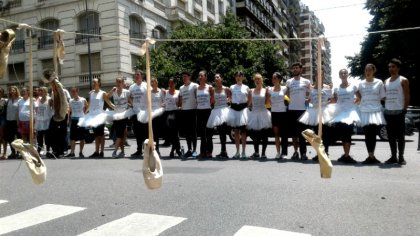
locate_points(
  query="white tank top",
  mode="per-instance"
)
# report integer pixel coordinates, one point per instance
(43, 114)
(394, 94)
(220, 99)
(239, 93)
(120, 101)
(96, 102)
(203, 98)
(158, 99)
(277, 99)
(188, 95)
(345, 96)
(12, 108)
(138, 94)
(23, 110)
(171, 101)
(258, 100)
(372, 93)
(297, 91)
(326, 93)
(77, 107)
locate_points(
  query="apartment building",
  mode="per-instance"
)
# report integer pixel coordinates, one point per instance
(115, 28)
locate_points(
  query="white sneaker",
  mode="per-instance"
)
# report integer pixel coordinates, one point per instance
(236, 156)
(278, 156)
(114, 154)
(243, 155)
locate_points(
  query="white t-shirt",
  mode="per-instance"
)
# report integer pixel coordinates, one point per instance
(220, 99)
(23, 106)
(96, 102)
(277, 99)
(12, 109)
(372, 93)
(77, 106)
(120, 101)
(188, 96)
(171, 101)
(326, 93)
(239, 93)
(158, 99)
(297, 91)
(258, 100)
(394, 94)
(203, 98)
(138, 94)
(345, 96)
(44, 113)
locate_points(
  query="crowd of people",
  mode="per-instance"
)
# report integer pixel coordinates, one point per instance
(286, 109)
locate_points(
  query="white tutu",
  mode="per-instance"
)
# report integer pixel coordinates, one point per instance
(218, 116)
(93, 119)
(372, 118)
(238, 118)
(121, 115)
(258, 120)
(143, 115)
(346, 115)
(310, 116)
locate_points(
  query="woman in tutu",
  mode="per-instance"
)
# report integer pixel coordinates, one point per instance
(310, 116)
(78, 106)
(345, 115)
(205, 98)
(158, 99)
(279, 114)
(171, 117)
(120, 115)
(370, 92)
(259, 119)
(220, 113)
(96, 117)
(238, 113)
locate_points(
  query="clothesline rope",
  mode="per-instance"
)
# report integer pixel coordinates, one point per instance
(127, 38)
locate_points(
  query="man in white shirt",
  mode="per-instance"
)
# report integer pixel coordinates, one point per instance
(298, 89)
(138, 100)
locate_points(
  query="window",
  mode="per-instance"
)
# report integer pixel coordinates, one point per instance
(46, 40)
(49, 64)
(16, 72)
(95, 62)
(18, 45)
(136, 30)
(88, 24)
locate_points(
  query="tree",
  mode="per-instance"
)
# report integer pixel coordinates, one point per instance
(218, 56)
(379, 48)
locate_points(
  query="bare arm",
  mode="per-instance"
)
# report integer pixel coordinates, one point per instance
(406, 91)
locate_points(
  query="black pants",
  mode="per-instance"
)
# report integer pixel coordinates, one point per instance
(297, 128)
(189, 127)
(259, 136)
(223, 131)
(42, 135)
(327, 132)
(282, 121)
(57, 135)
(206, 134)
(171, 125)
(370, 137)
(343, 132)
(140, 132)
(395, 127)
(11, 131)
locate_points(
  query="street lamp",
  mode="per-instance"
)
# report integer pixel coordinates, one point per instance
(88, 44)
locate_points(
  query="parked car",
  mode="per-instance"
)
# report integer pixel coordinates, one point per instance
(413, 112)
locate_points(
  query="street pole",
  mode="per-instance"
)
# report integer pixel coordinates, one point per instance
(88, 44)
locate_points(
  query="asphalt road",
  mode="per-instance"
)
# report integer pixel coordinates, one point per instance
(215, 197)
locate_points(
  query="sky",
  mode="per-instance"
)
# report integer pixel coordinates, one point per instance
(341, 17)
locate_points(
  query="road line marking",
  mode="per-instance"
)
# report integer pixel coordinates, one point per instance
(3, 201)
(35, 216)
(136, 224)
(248, 230)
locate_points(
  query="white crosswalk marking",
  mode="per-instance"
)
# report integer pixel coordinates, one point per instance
(3, 201)
(136, 224)
(35, 216)
(253, 230)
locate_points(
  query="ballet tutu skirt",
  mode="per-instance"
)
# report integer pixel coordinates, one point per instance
(143, 115)
(310, 116)
(218, 116)
(371, 118)
(94, 119)
(346, 115)
(121, 115)
(259, 120)
(238, 118)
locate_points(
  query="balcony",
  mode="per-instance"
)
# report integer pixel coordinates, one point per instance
(18, 46)
(84, 78)
(93, 34)
(45, 42)
(159, 5)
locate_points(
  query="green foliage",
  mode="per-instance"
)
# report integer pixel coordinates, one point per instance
(170, 58)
